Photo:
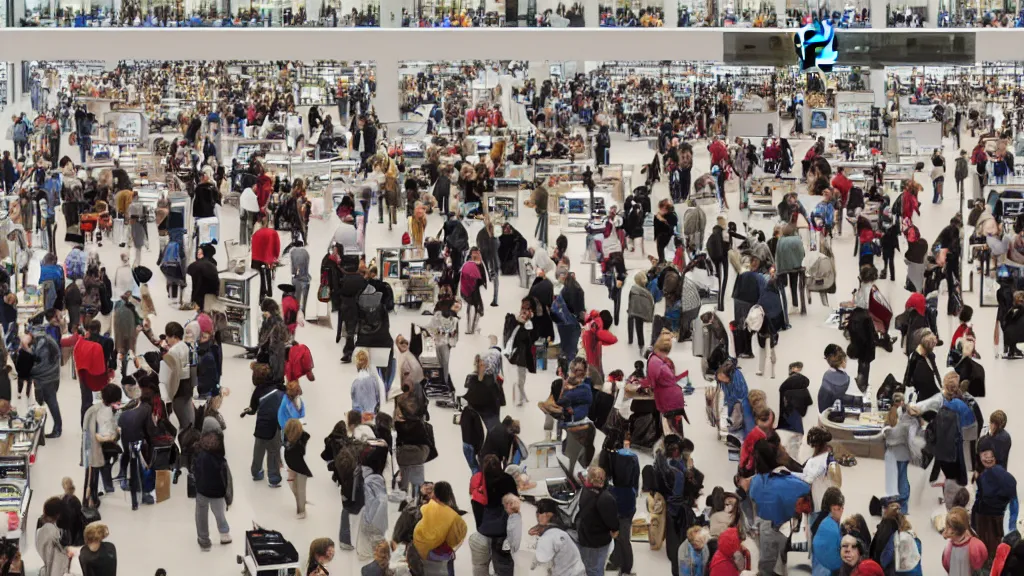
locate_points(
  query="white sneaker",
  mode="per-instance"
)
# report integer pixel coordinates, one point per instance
(225, 538)
(301, 516)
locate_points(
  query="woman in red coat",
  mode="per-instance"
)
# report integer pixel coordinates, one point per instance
(730, 557)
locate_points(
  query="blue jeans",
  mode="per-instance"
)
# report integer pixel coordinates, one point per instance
(1014, 511)
(470, 454)
(241, 127)
(570, 339)
(903, 485)
(594, 559)
(345, 531)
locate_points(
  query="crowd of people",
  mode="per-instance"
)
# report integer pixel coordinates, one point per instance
(154, 406)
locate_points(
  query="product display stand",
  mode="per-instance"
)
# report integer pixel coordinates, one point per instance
(235, 294)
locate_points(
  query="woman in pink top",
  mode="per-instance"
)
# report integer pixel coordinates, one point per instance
(471, 279)
(661, 374)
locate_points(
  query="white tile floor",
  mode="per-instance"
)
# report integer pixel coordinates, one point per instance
(164, 535)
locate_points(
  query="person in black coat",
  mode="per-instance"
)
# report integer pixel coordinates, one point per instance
(922, 373)
(365, 142)
(794, 400)
(213, 487)
(863, 340)
(543, 295)
(501, 440)
(299, 473)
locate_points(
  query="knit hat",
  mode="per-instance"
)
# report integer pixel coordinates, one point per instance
(210, 424)
(986, 444)
(205, 324)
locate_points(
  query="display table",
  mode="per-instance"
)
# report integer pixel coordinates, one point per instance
(860, 434)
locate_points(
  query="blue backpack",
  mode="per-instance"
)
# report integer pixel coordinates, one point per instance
(655, 290)
(560, 311)
(75, 265)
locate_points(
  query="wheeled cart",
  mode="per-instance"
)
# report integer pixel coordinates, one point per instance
(268, 553)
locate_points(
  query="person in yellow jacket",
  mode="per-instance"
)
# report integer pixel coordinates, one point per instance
(438, 534)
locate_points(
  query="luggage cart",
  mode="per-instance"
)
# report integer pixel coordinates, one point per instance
(268, 553)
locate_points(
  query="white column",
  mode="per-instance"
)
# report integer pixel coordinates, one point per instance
(780, 11)
(933, 14)
(390, 15)
(591, 13)
(671, 13)
(386, 101)
(15, 86)
(876, 81)
(878, 13)
(313, 9)
(19, 11)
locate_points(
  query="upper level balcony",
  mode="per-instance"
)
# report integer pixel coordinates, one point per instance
(468, 14)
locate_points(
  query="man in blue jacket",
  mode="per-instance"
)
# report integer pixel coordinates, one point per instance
(775, 493)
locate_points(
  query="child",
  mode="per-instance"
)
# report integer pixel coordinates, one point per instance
(23, 362)
(381, 564)
(295, 457)
(693, 555)
(964, 554)
(514, 524)
(963, 330)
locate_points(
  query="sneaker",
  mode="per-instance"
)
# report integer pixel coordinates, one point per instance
(225, 538)
(301, 516)
(148, 500)
(204, 548)
(346, 359)
(275, 485)
(54, 434)
(258, 477)
(346, 547)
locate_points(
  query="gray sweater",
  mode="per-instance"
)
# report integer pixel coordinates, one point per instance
(641, 303)
(897, 438)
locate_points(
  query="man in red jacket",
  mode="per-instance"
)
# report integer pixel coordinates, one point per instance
(266, 249)
(843, 184)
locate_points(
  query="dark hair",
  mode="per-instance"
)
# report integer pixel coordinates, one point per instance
(966, 313)
(547, 506)
(53, 507)
(174, 330)
(562, 244)
(673, 445)
(833, 497)
(94, 326)
(606, 318)
(443, 492)
(111, 394)
(765, 458)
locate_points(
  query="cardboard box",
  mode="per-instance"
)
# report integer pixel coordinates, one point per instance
(163, 485)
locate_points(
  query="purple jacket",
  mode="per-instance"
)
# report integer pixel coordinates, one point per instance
(661, 373)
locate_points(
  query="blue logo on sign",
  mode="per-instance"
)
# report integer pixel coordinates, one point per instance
(816, 46)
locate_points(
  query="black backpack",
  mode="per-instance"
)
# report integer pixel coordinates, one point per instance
(371, 307)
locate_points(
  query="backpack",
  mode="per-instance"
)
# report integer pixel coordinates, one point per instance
(74, 265)
(560, 311)
(904, 546)
(946, 447)
(371, 306)
(715, 247)
(348, 469)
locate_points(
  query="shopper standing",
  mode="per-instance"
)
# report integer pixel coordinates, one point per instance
(625, 473)
(265, 403)
(640, 309)
(214, 490)
(56, 560)
(295, 457)
(97, 557)
(665, 222)
(960, 172)
(99, 438)
(597, 522)
(266, 249)
(46, 373)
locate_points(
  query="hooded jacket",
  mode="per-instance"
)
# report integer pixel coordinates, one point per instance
(641, 303)
(722, 562)
(595, 336)
(213, 477)
(204, 200)
(577, 400)
(789, 254)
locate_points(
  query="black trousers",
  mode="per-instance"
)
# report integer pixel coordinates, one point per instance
(672, 541)
(889, 263)
(722, 271)
(266, 280)
(347, 318)
(635, 323)
(662, 242)
(863, 373)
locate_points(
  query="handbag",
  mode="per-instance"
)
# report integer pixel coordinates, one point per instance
(323, 293)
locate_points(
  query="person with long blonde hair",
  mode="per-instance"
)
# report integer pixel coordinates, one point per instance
(366, 395)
